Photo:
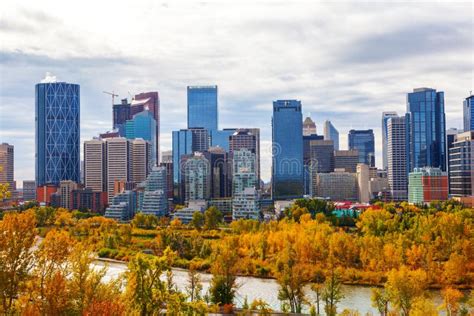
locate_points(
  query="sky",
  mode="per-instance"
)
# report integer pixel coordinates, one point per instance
(346, 61)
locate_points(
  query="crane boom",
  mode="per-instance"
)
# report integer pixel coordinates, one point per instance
(111, 94)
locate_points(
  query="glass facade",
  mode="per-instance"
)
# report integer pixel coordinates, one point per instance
(202, 107)
(221, 138)
(426, 129)
(331, 133)
(57, 137)
(468, 113)
(143, 125)
(363, 142)
(182, 145)
(287, 150)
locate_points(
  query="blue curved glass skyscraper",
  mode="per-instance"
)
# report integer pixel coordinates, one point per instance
(57, 111)
(287, 150)
(202, 107)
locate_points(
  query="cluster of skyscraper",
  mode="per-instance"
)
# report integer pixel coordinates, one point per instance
(122, 172)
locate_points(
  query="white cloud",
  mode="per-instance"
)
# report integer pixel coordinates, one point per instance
(346, 61)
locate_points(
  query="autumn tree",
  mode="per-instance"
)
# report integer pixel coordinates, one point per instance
(291, 276)
(317, 287)
(451, 301)
(404, 286)
(17, 235)
(145, 291)
(223, 269)
(332, 293)
(194, 287)
(380, 301)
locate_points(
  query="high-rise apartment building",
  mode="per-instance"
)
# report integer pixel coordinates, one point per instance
(468, 113)
(287, 153)
(461, 162)
(363, 179)
(7, 166)
(363, 141)
(247, 138)
(243, 170)
(95, 166)
(309, 127)
(202, 107)
(385, 117)
(154, 200)
(396, 158)
(331, 133)
(57, 137)
(195, 175)
(426, 129)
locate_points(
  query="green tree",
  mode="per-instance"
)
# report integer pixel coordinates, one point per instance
(212, 217)
(194, 287)
(198, 220)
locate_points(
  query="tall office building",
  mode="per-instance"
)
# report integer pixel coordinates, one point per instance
(331, 133)
(220, 138)
(247, 138)
(65, 191)
(200, 139)
(385, 117)
(57, 139)
(95, 167)
(468, 113)
(309, 127)
(322, 156)
(167, 156)
(220, 172)
(363, 142)
(396, 158)
(363, 179)
(149, 101)
(195, 175)
(7, 165)
(336, 186)
(143, 125)
(121, 113)
(202, 107)
(307, 162)
(118, 167)
(155, 200)
(426, 129)
(182, 145)
(140, 160)
(287, 150)
(346, 159)
(461, 162)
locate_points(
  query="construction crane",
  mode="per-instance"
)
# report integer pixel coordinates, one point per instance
(112, 94)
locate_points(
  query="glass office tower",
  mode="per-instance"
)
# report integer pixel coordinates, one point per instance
(182, 145)
(143, 125)
(363, 142)
(57, 137)
(468, 113)
(331, 133)
(287, 150)
(202, 107)
(385, 117)
(426, 129)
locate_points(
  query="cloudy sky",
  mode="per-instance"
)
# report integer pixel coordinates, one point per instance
(346, 61)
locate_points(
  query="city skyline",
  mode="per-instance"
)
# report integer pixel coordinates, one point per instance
(310, 75)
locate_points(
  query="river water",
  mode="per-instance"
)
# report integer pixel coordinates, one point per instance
(355, 297)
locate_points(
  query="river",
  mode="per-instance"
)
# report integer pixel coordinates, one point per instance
(355, 297)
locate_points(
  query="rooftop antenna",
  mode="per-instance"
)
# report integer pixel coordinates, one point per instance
(111, 94)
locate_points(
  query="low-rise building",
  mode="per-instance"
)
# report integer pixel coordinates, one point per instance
(426, 185)
(123, 206)
(245, 205)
